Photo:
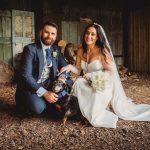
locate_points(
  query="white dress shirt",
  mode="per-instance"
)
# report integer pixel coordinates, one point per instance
(45, 73)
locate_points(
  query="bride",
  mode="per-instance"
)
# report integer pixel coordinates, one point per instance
(96, 61)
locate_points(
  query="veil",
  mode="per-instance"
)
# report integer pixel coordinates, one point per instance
(122, 105)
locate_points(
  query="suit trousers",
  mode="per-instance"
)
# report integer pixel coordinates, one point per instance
(29, 101)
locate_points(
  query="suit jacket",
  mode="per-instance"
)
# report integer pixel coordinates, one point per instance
(32, 64)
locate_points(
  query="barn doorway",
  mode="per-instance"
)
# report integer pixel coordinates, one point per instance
(16, 30)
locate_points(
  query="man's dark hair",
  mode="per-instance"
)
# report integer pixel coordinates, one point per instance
(48, 23)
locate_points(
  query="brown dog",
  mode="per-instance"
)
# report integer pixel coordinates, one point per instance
(67, 104)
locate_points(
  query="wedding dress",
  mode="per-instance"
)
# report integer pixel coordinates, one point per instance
(93, 103)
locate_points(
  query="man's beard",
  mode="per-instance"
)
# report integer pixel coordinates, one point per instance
(46, 41)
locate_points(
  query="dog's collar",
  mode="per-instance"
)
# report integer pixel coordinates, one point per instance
(62, 93)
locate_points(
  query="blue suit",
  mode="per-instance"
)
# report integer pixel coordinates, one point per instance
(32, 64)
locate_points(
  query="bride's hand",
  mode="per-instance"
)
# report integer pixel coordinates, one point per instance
(87, 76)
(69, 68)
(63, 69)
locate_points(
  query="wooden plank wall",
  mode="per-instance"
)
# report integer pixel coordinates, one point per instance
(111, 20)
(139, 41)
(5, 36)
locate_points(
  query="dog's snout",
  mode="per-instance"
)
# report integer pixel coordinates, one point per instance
(57, 88)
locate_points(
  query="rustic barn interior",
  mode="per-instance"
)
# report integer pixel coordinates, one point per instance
(126, 23)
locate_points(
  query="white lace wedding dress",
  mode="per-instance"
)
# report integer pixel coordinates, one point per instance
(93, 104)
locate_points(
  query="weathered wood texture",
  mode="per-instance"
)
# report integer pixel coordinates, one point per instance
(139, 41)
(70, 20)
(16, 30)
(5, 36)
(22, 31)
(126, 40)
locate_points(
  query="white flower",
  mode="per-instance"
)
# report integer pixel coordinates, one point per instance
(100, 80)
(54, 53)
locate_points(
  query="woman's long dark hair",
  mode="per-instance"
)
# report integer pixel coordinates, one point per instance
(101, 43)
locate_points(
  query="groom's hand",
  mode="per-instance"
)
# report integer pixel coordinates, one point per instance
(51, 97)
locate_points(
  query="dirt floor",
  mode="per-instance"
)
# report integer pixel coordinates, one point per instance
(46, 132)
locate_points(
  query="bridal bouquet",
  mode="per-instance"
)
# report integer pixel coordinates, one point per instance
(100, 80)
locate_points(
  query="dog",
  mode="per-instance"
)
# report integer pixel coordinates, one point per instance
(67, 104)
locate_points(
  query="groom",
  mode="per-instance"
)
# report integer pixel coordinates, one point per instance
(39, 65)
